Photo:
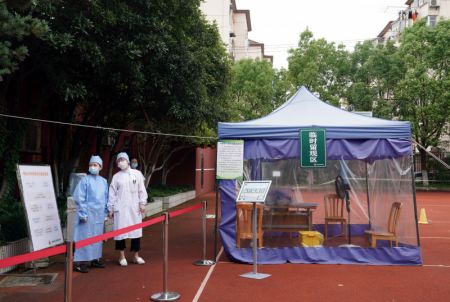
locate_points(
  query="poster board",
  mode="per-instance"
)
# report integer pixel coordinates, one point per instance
(38, 197)
(230, 159)
(254, 191)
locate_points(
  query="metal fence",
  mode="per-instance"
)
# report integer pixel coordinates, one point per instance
(437, 172)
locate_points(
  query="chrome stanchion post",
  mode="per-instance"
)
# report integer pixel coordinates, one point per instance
(165, 295)
(68, 275)
(254, 274)
(254, 230)
(204, 261)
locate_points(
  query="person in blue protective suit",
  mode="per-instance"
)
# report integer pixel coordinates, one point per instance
(91, 199)
(126, 204)
(134, 163)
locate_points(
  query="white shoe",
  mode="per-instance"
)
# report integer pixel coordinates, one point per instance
(139, 260)
(123, 262)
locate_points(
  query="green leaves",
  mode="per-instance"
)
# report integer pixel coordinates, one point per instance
(252, 89)
(423, 92)
(375, 70)
(319, 65)
(407, 82)
(14, 28)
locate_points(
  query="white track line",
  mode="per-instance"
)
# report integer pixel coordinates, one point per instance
(435, 205)
(202, 286)
(436, 265)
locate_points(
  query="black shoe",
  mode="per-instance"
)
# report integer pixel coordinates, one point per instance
(97, 264)
(81, 268)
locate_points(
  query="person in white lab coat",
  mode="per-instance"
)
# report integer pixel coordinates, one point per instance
(126, 204)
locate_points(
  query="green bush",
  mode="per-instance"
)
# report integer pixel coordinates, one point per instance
(13, 224)
(166, 190)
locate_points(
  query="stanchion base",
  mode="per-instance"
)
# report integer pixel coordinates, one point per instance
(348, 245)
(204, 262)
(253, 275)
(165, 296)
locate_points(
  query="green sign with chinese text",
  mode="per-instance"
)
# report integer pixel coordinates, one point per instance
(313, 148)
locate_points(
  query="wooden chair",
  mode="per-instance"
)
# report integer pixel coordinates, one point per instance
(334, 212)
(391, 232)
(244, 219)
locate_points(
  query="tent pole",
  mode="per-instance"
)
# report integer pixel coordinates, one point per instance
(368, 195)
(215, 220)
(414, 197)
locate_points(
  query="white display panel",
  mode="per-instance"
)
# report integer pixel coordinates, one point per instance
(38, 196)
(254, 191)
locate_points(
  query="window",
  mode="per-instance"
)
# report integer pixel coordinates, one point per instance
(32, 138)
(431, 20)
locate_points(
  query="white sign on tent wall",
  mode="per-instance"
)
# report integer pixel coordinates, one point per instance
(38, 196)
(230, 159)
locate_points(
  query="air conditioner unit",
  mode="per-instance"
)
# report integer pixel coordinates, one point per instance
(434, 3)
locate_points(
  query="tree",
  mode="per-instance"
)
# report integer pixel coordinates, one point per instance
(89, 68)
(16, 25)
(374, 74)
(320, 66)
(188, 74)
(14, 29)
(283, 88)
(252, 89)
(154, 65)
(423, 94)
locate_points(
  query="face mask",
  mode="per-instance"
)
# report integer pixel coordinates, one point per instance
(122, 165)
(134, 165)
(94, 170)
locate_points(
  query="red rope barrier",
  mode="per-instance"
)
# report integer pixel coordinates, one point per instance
(182, 211)
(14, 260)
(91, 240)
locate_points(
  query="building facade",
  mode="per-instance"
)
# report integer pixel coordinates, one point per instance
(430, 10)
(234, 25)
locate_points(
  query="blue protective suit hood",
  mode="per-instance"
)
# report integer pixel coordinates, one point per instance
(96, 159)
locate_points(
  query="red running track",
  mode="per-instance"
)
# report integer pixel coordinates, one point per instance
(288, 282)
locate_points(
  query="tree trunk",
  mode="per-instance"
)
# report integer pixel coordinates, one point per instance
(3, 187)
(165, 172)
(148, 177)
(169, 168)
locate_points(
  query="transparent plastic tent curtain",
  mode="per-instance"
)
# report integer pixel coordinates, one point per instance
(373, 188)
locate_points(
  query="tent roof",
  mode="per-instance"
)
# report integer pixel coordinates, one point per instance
(305, 110)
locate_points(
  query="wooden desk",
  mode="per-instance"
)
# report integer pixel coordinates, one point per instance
(289, 217)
